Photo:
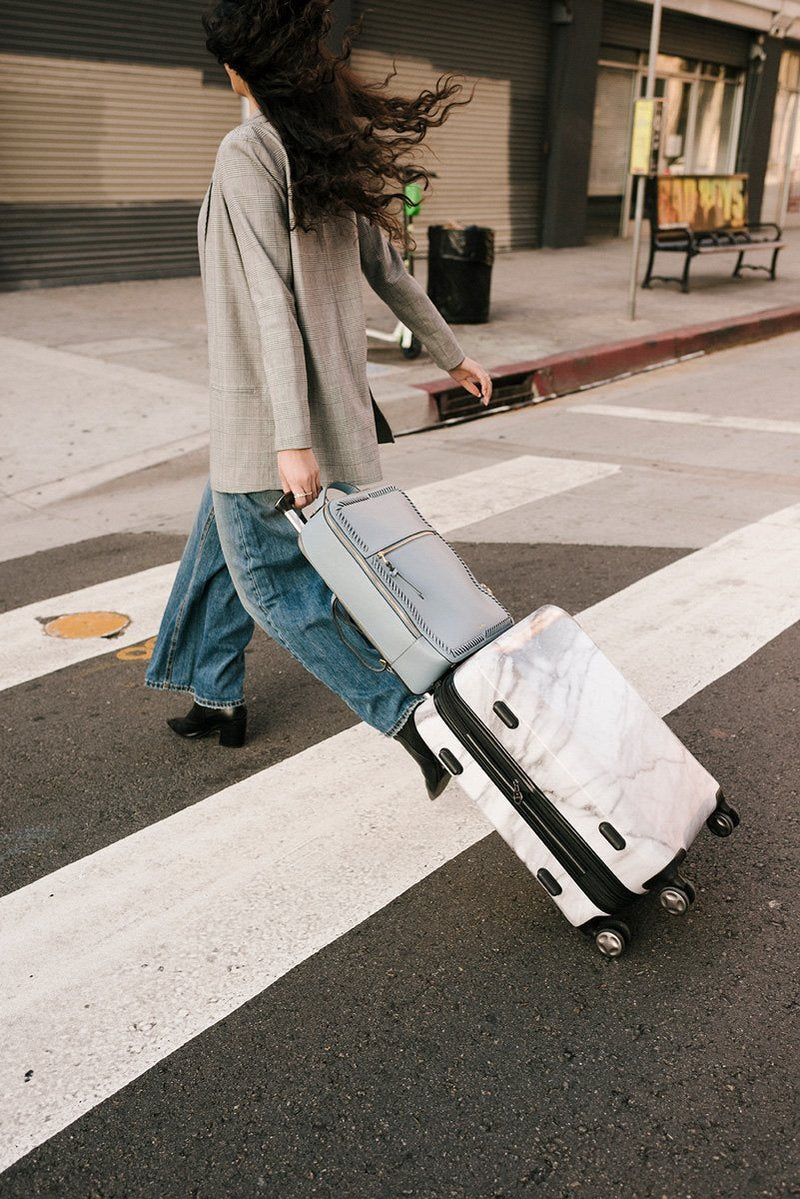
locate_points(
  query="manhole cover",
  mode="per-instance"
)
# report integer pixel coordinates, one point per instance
(87, 624)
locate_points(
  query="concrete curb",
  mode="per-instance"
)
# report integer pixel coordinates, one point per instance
(574, 370)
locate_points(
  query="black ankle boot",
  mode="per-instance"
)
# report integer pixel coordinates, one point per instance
(435, 775)
(230, 723)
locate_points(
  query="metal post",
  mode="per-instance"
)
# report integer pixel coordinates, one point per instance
(650, 89)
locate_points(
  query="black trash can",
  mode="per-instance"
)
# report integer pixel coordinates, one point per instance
(460, 272)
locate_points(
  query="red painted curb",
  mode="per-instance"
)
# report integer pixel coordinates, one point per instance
(571, 370)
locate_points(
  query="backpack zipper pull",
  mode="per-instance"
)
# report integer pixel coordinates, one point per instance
(392, 569)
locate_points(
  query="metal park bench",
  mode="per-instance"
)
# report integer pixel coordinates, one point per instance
(705, 214)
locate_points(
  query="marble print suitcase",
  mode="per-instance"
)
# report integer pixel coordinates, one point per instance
(584, 781)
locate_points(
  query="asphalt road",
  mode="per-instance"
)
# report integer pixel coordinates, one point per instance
(461, 1041)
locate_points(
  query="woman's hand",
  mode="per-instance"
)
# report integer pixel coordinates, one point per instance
(299, 474)
(474, 378)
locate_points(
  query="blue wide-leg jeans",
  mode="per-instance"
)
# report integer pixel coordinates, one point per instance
(204, 630)
(206, 626)
(286, 596)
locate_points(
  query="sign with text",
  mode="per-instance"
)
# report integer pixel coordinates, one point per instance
(645, 137)
(702, 202)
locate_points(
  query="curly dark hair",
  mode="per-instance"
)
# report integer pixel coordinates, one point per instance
(348, 141)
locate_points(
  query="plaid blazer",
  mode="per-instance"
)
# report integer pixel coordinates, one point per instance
(287, 346)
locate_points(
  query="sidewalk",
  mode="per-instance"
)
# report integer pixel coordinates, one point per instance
(105, 379)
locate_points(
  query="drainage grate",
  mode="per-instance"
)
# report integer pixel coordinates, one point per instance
(455, 402)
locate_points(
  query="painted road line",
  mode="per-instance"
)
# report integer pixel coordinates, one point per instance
(26, 652)
(707, 613)
(115, 961)
(749, 424)
(491, 490)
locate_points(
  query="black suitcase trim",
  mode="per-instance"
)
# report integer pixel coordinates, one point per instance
(583, 865)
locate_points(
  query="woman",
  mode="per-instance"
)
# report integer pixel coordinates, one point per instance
(298, 207)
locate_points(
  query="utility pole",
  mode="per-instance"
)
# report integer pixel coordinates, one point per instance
(650, 91)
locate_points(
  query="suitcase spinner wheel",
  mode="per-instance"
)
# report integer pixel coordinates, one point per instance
(724, 819)
(612, 937)
(676, 898)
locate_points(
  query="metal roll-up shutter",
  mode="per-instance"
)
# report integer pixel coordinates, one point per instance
(104, 159)
(164, 32)
(488, 156)
(628, 25)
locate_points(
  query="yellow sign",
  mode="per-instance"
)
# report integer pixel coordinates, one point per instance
(644, 138)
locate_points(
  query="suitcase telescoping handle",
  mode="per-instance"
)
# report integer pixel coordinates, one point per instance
(286, 503)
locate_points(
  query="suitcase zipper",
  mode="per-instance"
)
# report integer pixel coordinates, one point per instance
(580, 861)
(373, 578)
(396, 545)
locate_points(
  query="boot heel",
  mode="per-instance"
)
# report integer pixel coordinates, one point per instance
(233, 735)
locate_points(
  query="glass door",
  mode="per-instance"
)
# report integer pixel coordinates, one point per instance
(701, 118)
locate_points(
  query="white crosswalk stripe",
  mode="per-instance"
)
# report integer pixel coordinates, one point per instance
(118, 959)
(747, 424)
(706, 613)
(27, 652)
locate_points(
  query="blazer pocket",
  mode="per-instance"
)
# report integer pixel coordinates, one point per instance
(223, 389)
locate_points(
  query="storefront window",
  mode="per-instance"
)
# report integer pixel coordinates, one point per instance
(698, 120)
(712, 70)
(675, 122)
(781, 201)
(702, 112)
(789, 77)
(667, 64)
(713, 131)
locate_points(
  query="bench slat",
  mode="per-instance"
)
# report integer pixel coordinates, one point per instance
(742, 247)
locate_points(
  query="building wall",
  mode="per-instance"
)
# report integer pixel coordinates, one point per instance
(628, 24)
(111, 117)
(702, 71)
(576, 34)
(90, 132)
(112, 113)
(489, 155)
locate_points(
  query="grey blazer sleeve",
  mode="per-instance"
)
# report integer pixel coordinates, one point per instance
(386, 274)
(256, 202)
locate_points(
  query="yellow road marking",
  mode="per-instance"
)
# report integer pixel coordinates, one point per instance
(143, 651)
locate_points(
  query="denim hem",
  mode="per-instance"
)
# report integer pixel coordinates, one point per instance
(205, 703)
(416, 700)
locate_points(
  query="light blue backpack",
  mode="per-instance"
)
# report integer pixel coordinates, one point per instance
(398, 581)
